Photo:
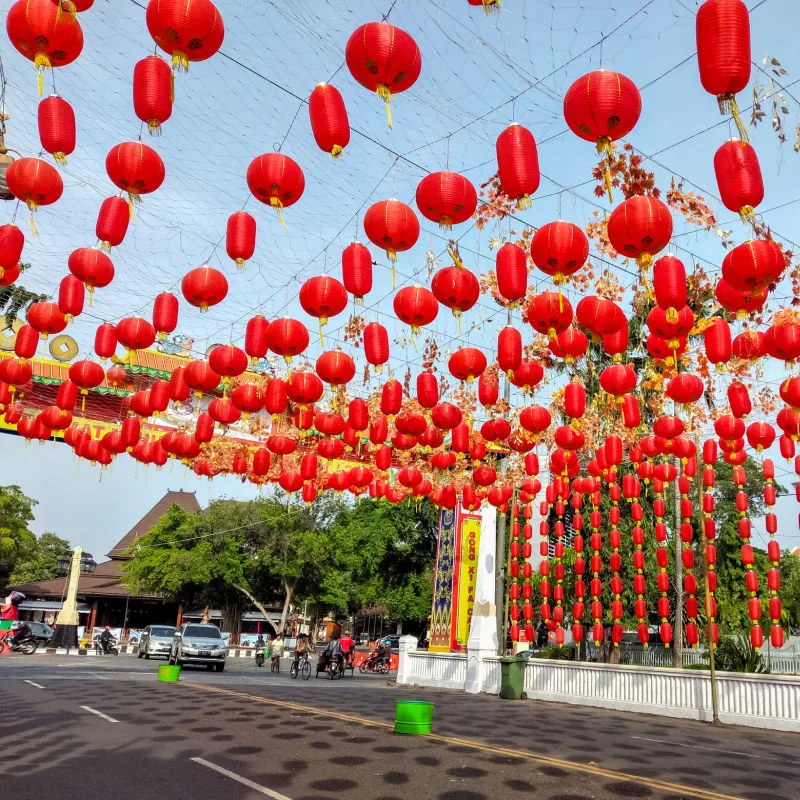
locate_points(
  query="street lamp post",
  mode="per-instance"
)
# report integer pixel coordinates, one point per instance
(66, 634)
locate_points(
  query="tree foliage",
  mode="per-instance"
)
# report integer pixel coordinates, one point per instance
(40, 562)
(17, 542)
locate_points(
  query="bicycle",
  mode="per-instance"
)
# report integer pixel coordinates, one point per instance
(301, 666)
(275, 664)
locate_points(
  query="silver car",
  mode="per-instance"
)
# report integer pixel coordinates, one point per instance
(195, 643)
(156, 640)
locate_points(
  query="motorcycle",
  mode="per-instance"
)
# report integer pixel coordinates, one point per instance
(112, 648)
(260, 657)
(373, 664)
(25, 646)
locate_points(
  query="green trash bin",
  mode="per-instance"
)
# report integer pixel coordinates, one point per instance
(512, 677)
(167, 673)
(413, 716)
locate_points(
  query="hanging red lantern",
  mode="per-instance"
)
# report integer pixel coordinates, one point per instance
(640, 227)
(287, 337)
(91, 266)
(616, 343)
(112, 222)
(512, 273)
(559, 249)
(116, 377)
(383, 59)
(717, 339)
(357, 270)
(34, 182)
(446, 416)
(256, 343)
(391, 397)
(685, 388)
(105, 340)
(305, 388)
(458, 289)
(599, 316)
(392, 226)
(783, 341)
(47, 318)
(12, 240)
(669, 284)
(135, 333)
(335, 367)
(488, 388)
(618, 380)
(204, 287)
(71, 292)
(228, 361)
(153, 92)
(571, 344)
(44, 35)
(447, 198)
(549, 313)
(427, 389)
(57, 127)
(135, 168)
(509, 349)
(574, 399)
(26, 342)
(9, 275)
(165, 314)
(67, 395)
(467, 363)
(518, 164)
(240, 238)
(15, 372)
(86, 375)
(201, 378)
(668, 326)
(748, 344)
(416, 306)
(601, 107)
(224, 411)
(247, 397)
(753, 265)
(738, 172)
(723, 52)
(276, 396)
(527, 375)
(276, 180)
(760, 436)
(188, 30)
(329, 122)
(376, 345)
(323, 296)
(739, 302)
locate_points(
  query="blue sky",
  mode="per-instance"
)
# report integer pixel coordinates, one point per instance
(248, 100)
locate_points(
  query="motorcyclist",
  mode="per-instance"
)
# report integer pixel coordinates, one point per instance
(332, 651)
(106, 640)
(21, 631)
(260, 645)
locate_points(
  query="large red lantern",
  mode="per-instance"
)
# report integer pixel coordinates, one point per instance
(511, 267)
(739, 302)
(738, 172)
(71, 292)
(383, 59)
(535, 419)
(91, 266)
(527, 375)
(112, 222)
(357, 270)
(748, 345)
(135, 168)
(550, 313)
(618, 380)
(165, 314)
(201, 378)
(276, 180)
(135, 333)
(323, 296)
(153, 92)
(723, 52)
(86, 375)
(329, 122)
(559, 249)
(518, 164)
(57, 127)
(376, 345)
(447, 198)
(34, 182)
(12, 240)
(416, 306)
(393, 226)
(685, 388)
(571, 344)
(304, 388)
(188, 30)
(228, 361)
(456, 288)
(287, 337)
(640, 227)
(335, 367)
(204, 287)
(47, 318)
(240, 238)
(39, 30)
(753, 265)
(602, 107)
(467, 363)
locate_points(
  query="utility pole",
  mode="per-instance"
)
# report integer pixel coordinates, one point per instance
(677, 634)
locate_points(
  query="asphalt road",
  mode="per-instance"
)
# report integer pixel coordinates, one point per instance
(85, 728)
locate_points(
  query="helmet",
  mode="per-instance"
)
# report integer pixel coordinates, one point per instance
(16, 626)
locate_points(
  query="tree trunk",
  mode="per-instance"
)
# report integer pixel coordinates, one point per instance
(232, 617)
(255, 602)
(289, 589)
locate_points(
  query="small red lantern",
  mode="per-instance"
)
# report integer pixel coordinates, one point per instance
(458, 289)
(427, 389)
(527, 375)
(323, 296)
(511, 267)
(153, 92)
(165, 314)
(685, 388)
(357, 270)
(135, 168)
(518, 164)
(287, 337)
(256, 341)
(228, 361)
(112, 222)
(12, 240)
(240, 238)
(34, 182)
(26, 342)
(760, 436)
(105, 340)
(753, 265)
(57, 127)
(47, 318)
(509, 349)
(393, 226)
(717, 339)
(204, 287)
(376, 345)
(640, 227)
(86, 375)
(738, 172)
(550, 313)
(447, 198)
(383, 59)
(91, 266)
(71, 292)
(467, 363)
(304, 388)
(276, 180)
(200, 377)
(135, 333)
(188, 30)
(669, 284)
(618, 380)
(9, 275)
(416, 306)
(737, 301)
(335, 367)
(329, 122)
(559, 249)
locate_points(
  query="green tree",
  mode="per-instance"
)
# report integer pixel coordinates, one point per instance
(40, 563)
(17, 542)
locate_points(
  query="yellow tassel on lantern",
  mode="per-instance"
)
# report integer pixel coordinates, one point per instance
(34, 232)
(179, 61)
(385, 93)
(60, 158)
(337, 151)
(154, 127)
(278, 205)
(747, 214)
(604, 146)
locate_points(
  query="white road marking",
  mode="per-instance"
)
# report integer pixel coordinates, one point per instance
(33, 683)
(256, 787)
(99, 713)
(711, 749)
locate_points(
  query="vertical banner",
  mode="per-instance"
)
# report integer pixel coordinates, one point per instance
(442, 612)
(469, 537)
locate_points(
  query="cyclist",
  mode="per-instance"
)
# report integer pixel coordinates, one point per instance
(301, 650)
(276, 650)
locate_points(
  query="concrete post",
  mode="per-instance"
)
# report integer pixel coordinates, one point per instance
(407, 643)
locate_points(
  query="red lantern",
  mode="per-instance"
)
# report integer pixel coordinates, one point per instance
(518, 164)
(447, 198)
(165, 314)
(47, 318)
(616, 343)
(276, 180)
(571, 344)
(12, 240)
(44, 35)
(305, 388)
(116, 377)
(618, 380)
(512, 273)
(15, 372)
(391, 397)
(392, 226)
(276, 396)
(416, 306)
(34, 182)
(57, 127)
(527, 375)
(240, 238)
(685, 388)
(9, 275)
(287, 337)
(753, 265)
(188, 30)
(256, 342)
(153, 92)
(760, 436)
(105, 340)
(749, 345)
(135, 168)
(783, 341)
(383, 59)
(224, 411)
(559, 249)
(70, 296)
(228, 361)
(723, 51)
(509, 349)
(204, 286)
(323, 296)
(357, 270)
(376, 345)
(112, 222)
(335, 367)
(135, 333)
(599, 315)
(738, 172)
(717, 340)
(200, 377)
(467, 363)
(86, 375)
(26, 342)
(458, 289)
(550, 313)
(329, 122)
(669, 283)
(91, 266)
(488, 388)
(640, 227)
(427, 389)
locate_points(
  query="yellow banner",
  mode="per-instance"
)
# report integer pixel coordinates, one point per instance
(467, 575)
